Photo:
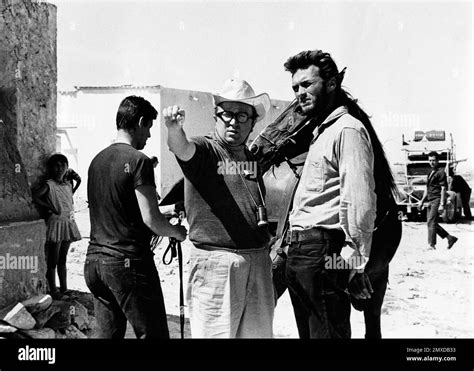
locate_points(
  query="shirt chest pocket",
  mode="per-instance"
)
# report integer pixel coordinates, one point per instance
(315, 176)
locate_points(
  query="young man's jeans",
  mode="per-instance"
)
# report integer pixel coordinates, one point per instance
(126, 289)
(433, 226)
(319, 296)
(230, 293)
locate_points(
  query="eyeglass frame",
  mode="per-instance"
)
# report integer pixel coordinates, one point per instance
(233, 115)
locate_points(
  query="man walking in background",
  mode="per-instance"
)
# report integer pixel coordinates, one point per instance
(435, 194)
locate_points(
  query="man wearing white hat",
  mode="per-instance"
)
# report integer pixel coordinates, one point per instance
(230, 290)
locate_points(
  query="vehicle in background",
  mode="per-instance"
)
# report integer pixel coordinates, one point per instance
(416, 169)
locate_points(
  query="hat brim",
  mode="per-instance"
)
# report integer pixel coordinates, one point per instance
(260, 102)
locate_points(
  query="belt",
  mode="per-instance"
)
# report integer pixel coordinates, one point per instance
(313, 234)
(237, 251)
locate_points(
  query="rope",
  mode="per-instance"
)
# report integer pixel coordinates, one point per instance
(174, 247)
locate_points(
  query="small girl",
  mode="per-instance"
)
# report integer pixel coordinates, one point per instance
(55, 195)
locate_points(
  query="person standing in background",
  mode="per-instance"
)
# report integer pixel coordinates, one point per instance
(459, 185)
(435, 194)
(55, 196)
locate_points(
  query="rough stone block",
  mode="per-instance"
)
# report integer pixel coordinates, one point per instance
(91, 332)
(22, 261)
(15, 195)
(19, 317)
(6, 328)
(29, 66)
(62, 319)
(85, 298)
(44, 333)
(72, 332)
(44, 316)
(28, 77)
(60, 334)
(38, 303)
(79, 315)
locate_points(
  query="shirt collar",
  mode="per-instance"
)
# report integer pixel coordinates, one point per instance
(333, 116)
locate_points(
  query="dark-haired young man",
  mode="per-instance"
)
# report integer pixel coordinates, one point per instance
(435, 194)
(334, 207)
(124, 214)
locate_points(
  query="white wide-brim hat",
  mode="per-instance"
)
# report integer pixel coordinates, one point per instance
(237, 90)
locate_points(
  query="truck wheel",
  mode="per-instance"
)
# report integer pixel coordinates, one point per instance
(413, 216)
(449, 215)
(422, 216)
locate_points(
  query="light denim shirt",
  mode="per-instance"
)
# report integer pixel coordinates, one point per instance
(337, 187)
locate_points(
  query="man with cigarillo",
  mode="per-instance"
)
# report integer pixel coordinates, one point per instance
(230, 289)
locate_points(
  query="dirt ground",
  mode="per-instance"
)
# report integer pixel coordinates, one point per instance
(430, 293)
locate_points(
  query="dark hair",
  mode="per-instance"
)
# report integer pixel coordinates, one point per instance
(384, 182)
(54, 159)
(327, 66)
(433, 154)
(130, 111)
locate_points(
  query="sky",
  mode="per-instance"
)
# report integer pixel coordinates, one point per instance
(408, 63)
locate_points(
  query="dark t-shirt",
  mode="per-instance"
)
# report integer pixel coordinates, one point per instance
(117, 226)
(436, 180)
(219, 209)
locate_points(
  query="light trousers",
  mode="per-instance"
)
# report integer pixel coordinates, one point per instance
(230, 293)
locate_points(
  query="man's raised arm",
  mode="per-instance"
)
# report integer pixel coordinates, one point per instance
(177, 141)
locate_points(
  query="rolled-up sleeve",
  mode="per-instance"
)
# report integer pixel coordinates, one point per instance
(358, 199)
(443, 180)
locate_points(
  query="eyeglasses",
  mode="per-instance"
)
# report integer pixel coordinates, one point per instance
(240, 117)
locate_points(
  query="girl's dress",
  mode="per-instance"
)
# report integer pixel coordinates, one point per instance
(61, 227)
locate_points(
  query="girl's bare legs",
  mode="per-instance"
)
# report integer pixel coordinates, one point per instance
(62, 271)
(52, 255)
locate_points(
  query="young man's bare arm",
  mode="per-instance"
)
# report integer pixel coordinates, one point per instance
(177, 141)
(153, 218)
(425, 194)
(443, 198)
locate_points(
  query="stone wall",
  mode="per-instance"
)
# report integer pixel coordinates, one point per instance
(28, 66)
(28, 76)
(15, 194)
(22, 261)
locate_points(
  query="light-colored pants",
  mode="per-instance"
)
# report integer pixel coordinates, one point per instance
(230, 293)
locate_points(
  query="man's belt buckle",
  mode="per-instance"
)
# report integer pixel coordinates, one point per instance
(306, 235)
(289, 237)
